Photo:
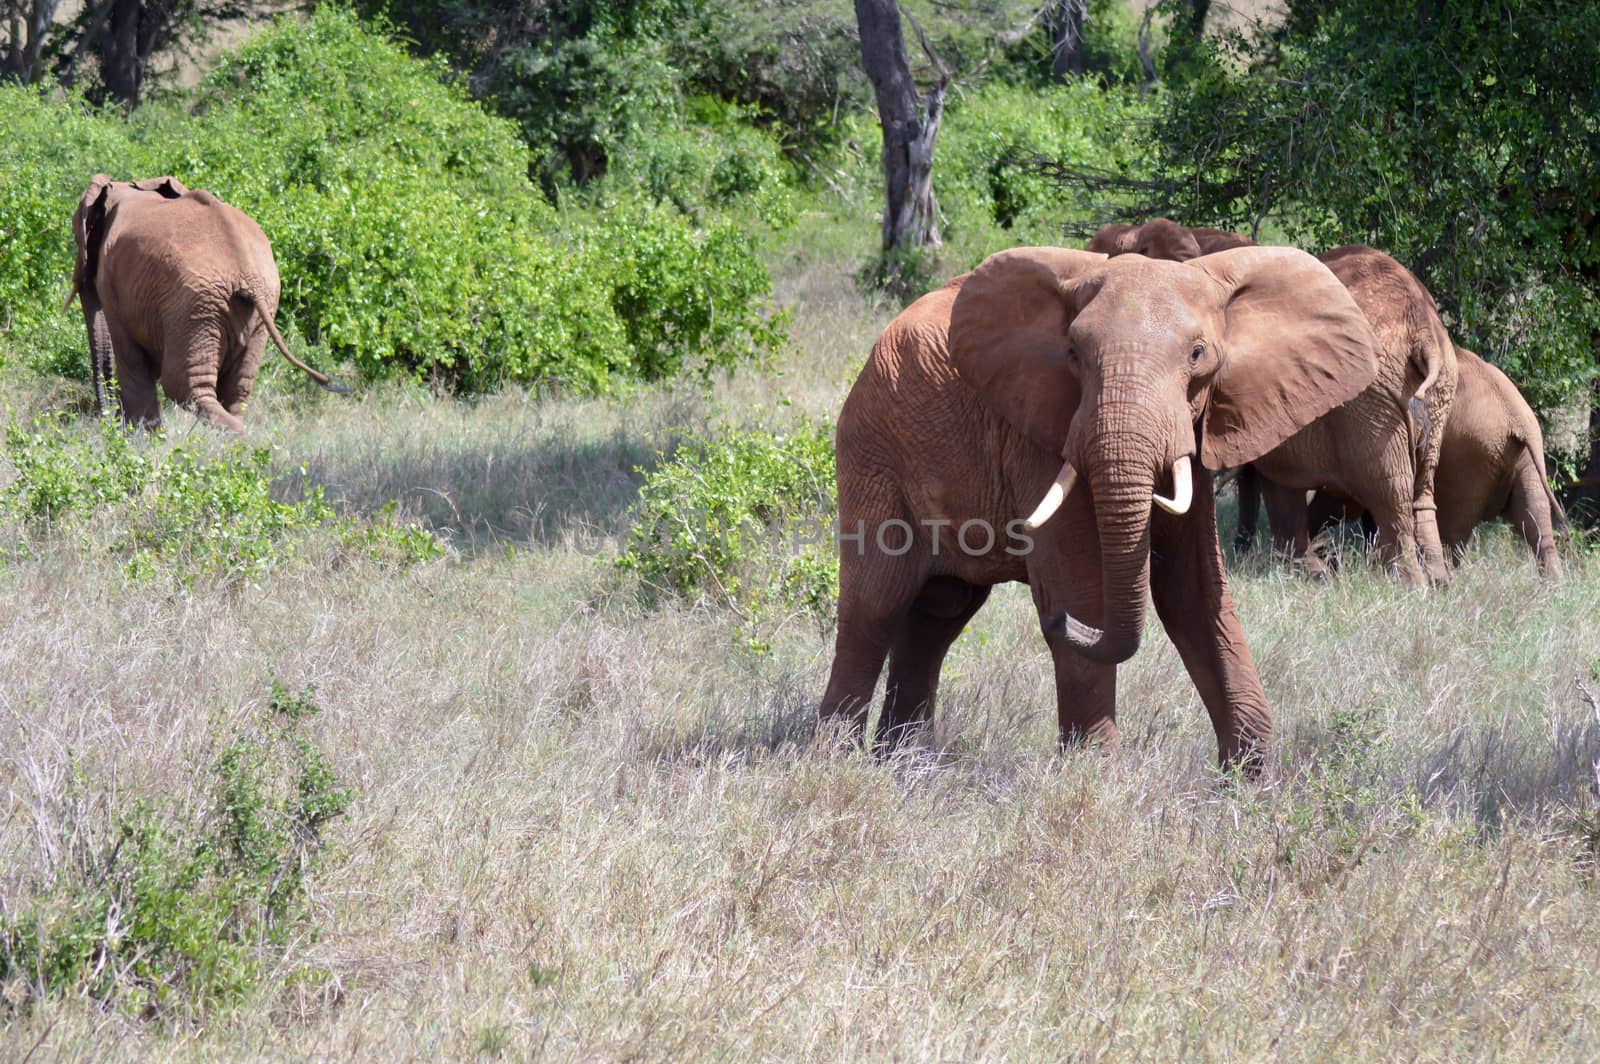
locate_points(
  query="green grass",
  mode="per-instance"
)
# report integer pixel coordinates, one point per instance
(588, 828)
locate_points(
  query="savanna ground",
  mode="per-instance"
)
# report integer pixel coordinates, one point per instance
(586, 828)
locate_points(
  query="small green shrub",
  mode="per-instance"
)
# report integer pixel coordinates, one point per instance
(745, 521)
(168, 915)
(389, 541)
(182, 510)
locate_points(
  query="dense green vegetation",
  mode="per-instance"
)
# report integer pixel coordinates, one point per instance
(1463, 138)
(410, 240)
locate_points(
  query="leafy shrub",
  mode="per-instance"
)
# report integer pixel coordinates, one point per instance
(1432, 132)
(50, 150)
(167, 914)
(407, 235)
(745, 521)
(182, 510)
(713, 161)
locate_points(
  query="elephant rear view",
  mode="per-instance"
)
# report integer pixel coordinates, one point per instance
(176, 287)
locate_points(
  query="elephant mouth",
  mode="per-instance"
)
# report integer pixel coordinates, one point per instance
(1178, 503)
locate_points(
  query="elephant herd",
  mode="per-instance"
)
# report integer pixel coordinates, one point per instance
(1095, 391)
(1084, 388)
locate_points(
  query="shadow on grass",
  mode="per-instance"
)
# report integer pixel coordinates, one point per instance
(486, 494)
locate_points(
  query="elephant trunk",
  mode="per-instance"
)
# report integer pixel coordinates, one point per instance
(1123, 482)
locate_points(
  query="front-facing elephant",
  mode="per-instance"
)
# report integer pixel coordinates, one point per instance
(179, 288)
(1086, 391)
(1382, 447)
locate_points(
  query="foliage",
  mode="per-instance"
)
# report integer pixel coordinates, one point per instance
(408, 237)
(745, 520)
(988, 171)
(182, 510)
(1461, 138)
(580, 79)
(164, 914)
(46, 158)
(1110, 44)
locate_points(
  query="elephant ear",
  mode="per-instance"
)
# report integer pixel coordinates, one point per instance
(1294, 346)
(1214, 240)
(1008, 337)
(1110, 240)
(167, 187)
(88, 229)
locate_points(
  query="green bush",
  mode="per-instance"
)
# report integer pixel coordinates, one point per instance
(165, 914)
(408, 237)
(181, 510)
(987, 171)
(1435, 132)
(746, 521)
(50, 150)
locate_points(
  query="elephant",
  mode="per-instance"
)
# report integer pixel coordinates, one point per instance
(1491, 464)
(997, 392)
(1162, 238)
(177, 287)
(1381, 448)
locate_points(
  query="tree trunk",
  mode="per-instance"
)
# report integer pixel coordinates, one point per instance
(910, 128)
(121, 66)
(1198, 10)
(1066, 37)
(27, 24)
(1585, 501)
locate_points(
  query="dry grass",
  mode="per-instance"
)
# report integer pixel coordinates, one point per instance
(590, 831)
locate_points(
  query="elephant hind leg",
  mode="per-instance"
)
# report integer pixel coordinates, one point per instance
(192, 369)
(1530, 512)
(937, 617)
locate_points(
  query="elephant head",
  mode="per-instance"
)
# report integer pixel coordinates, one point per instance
(1155, 239)
(1161, 238)
(1128, 368)
(88, 221)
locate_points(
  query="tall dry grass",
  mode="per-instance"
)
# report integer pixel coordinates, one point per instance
(586, 830)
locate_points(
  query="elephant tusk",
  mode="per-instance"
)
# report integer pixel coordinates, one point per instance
(1182, 489)
(1053, 498)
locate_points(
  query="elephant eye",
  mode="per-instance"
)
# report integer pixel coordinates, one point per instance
(1197, 354)
(1072, 353)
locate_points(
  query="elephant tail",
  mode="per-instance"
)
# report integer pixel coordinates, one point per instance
(1435, 357)
(323, 379)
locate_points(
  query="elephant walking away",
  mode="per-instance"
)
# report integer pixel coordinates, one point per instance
(179, 288)
(1491, 464)
(1096, 394)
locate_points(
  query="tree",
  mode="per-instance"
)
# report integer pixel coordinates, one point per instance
(26, 24)
(910, 126)
(1069, 55)
(123, 36)
(1460, 138)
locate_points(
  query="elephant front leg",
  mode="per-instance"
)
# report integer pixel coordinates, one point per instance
(1190, 590)
(877, 586)
(136, 380)
(1064, 574)
(100, 347)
